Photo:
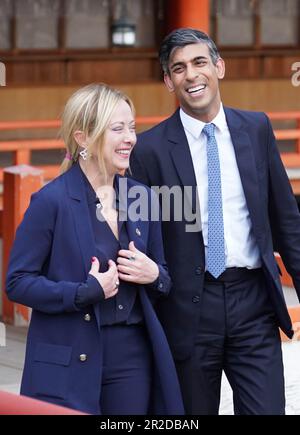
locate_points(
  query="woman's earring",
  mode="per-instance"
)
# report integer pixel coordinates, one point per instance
(84, 154)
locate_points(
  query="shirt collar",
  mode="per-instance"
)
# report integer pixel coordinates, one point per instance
(195, 127)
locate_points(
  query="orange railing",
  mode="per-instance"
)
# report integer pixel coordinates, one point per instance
(290, 159)
(15, 181)
(21, 149)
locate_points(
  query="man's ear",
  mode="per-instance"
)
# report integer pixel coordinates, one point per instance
(220, 66)
(168, 82)
(80, 138)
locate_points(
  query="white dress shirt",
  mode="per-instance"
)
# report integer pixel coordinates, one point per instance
(241, 249)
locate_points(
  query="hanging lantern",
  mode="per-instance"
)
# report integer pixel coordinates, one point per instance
(123, 30)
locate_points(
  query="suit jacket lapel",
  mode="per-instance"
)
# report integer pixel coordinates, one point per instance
(135, 230)
(181, 156)
(247, 168)
(80, 211)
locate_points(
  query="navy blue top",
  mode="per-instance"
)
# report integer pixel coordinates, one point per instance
(125, 306)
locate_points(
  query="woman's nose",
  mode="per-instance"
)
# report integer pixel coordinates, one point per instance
(130, 136)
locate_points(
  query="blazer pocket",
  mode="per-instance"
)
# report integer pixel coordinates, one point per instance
(51, 370)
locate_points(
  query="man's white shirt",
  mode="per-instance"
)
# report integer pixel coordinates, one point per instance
(241, 249)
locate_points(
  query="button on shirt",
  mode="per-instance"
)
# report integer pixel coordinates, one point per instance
(125, 306)
(241, 249)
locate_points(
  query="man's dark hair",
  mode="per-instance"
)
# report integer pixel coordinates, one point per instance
(180, 38)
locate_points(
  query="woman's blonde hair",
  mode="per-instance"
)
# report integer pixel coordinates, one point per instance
(89, 110)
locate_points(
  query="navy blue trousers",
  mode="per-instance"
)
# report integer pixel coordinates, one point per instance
(127, 370)
(238, 334)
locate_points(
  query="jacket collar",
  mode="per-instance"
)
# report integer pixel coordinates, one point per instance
(180, 151)
(79, 205)
(76, 183)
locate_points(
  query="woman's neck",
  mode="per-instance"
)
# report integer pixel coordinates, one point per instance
(93, 174)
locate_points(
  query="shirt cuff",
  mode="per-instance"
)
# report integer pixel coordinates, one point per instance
(159, 284)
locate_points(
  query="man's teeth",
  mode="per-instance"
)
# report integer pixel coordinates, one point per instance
(197, 89)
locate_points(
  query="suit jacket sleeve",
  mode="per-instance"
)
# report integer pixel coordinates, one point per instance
(283, 212)
(26, 282)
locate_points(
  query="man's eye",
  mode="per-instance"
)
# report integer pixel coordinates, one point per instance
(178, 70)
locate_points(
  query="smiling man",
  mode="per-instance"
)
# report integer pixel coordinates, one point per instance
(226, 305)
(194, 76)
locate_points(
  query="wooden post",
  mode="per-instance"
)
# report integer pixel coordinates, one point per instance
(285, 278)
(19, 184)
(22, 157)
(188, 13)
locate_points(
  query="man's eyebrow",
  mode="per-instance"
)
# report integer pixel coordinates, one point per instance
(179, 63)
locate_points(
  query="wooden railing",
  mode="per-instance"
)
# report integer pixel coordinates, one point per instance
(290, 159)
(21, 149)
(22, 179)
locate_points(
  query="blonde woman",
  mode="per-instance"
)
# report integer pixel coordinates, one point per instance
(90, 272)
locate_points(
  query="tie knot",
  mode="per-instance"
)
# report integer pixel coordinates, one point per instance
(209, 130)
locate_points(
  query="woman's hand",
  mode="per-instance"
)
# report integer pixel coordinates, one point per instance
(109, 280)
(135, 266)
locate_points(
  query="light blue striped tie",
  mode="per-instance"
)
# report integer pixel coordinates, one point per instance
(216, 244)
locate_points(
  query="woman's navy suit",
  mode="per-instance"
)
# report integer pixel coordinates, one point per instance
(50, 258)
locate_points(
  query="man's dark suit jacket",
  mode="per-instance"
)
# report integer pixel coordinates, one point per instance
(162, 157)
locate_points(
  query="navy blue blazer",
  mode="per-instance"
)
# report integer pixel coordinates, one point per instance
(162, 157)
(50, 257)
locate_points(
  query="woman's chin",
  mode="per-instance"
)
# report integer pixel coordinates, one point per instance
(121, 170)
(122, 167)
